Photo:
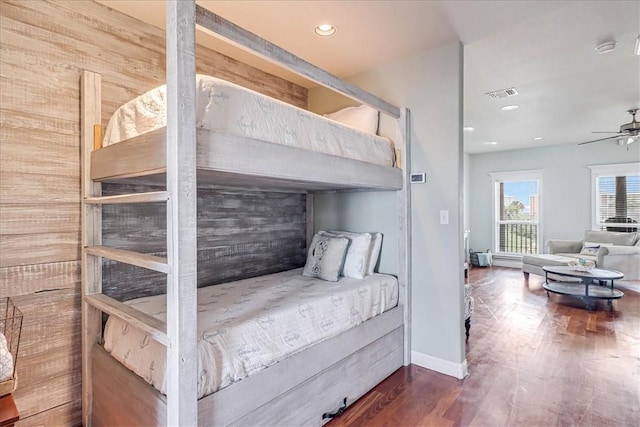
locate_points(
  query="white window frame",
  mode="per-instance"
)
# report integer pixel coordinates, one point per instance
(597, 171)
(526, 175)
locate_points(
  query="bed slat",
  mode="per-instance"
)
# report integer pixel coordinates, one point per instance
(150, 262)
(156, 329)
(150, 197)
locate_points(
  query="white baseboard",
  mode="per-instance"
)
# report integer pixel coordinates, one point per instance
(456, 370)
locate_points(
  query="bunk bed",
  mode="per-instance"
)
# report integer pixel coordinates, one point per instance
(304, 388)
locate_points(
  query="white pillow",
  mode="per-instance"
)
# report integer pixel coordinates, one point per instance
(374, 253)
(356, 261)
(589, 248)
(362, 118)
(326, 257)
(6, 360)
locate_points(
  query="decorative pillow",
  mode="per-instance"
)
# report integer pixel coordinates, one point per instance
(374, 253)
(589, 248)
(356, 261)
(326, 257)
(363, 118)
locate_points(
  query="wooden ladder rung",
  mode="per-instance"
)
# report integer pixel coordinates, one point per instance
(157, 329)
(150, 262)
(150, 197)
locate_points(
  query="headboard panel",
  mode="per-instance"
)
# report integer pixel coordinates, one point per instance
(241, 234)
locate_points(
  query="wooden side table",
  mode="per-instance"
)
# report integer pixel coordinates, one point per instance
(8, 411)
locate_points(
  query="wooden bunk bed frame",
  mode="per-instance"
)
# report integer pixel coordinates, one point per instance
(299, 389)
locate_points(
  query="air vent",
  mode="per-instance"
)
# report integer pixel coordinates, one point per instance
(504, 93)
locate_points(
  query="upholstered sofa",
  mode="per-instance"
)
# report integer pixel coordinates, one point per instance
(608, 249)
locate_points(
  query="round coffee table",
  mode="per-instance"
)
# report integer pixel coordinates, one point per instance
(595, 284)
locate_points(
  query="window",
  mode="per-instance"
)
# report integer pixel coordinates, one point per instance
(517, 202)
(615, 197)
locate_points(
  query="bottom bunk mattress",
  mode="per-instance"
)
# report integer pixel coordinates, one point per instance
(248, 325)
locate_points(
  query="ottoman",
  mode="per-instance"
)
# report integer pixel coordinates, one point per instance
(533, 263)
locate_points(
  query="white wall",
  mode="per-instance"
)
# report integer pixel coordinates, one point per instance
(430, 85)
(566, 186)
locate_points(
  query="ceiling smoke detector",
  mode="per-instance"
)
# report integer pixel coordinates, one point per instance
(606, 47)
(503, 93)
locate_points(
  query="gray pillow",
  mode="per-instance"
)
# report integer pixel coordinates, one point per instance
(326, 257)
(615, 237)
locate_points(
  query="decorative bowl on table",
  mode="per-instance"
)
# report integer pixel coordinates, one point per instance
(581, 264)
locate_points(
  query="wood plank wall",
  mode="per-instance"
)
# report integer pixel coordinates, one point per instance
(44, 47)
(241, 234)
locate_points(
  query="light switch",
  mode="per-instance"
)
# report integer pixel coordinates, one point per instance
(444, 217)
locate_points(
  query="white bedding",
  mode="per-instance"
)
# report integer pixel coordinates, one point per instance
(226, 107)
(248, 325)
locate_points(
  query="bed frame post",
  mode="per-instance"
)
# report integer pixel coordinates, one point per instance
(404, 226)
(91, 233)
(182, 364)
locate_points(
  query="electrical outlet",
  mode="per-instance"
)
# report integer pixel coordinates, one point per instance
(444, 217)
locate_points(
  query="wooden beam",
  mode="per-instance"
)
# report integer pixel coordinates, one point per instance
(182, 360)
(404, 232)
(256, 44)
(154, 327)
(150, 262)
(91, 234)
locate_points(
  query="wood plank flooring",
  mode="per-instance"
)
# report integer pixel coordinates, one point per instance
(533, 361)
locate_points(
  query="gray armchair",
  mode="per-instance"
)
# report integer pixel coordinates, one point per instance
(622, 252)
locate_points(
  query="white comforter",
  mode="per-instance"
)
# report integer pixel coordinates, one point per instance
(226, 107)
(248, 325)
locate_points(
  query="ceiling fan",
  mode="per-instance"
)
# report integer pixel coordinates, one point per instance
(629, 132)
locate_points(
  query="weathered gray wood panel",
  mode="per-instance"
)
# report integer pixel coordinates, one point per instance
(45, 46)
(240, 234)
(227, 159)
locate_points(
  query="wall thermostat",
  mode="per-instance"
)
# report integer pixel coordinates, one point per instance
(418, 178)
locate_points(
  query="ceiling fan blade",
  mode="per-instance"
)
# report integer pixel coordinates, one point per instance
(604, 139)
(605, 132)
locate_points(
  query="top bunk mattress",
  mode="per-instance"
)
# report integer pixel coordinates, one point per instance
(248, 325)
(226, 107)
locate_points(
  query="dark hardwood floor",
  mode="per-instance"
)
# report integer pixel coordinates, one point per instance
(532, 360)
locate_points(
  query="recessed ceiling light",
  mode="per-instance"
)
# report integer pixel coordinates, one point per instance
(509, 107)
(537, 138)
(606, 47)
(468, 129)
(326, 30)
(490, 143)
(636, 50)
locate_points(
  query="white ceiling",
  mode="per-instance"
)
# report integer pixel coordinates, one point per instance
(546, 49)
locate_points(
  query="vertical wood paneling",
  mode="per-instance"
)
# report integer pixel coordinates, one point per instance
(45, 46)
